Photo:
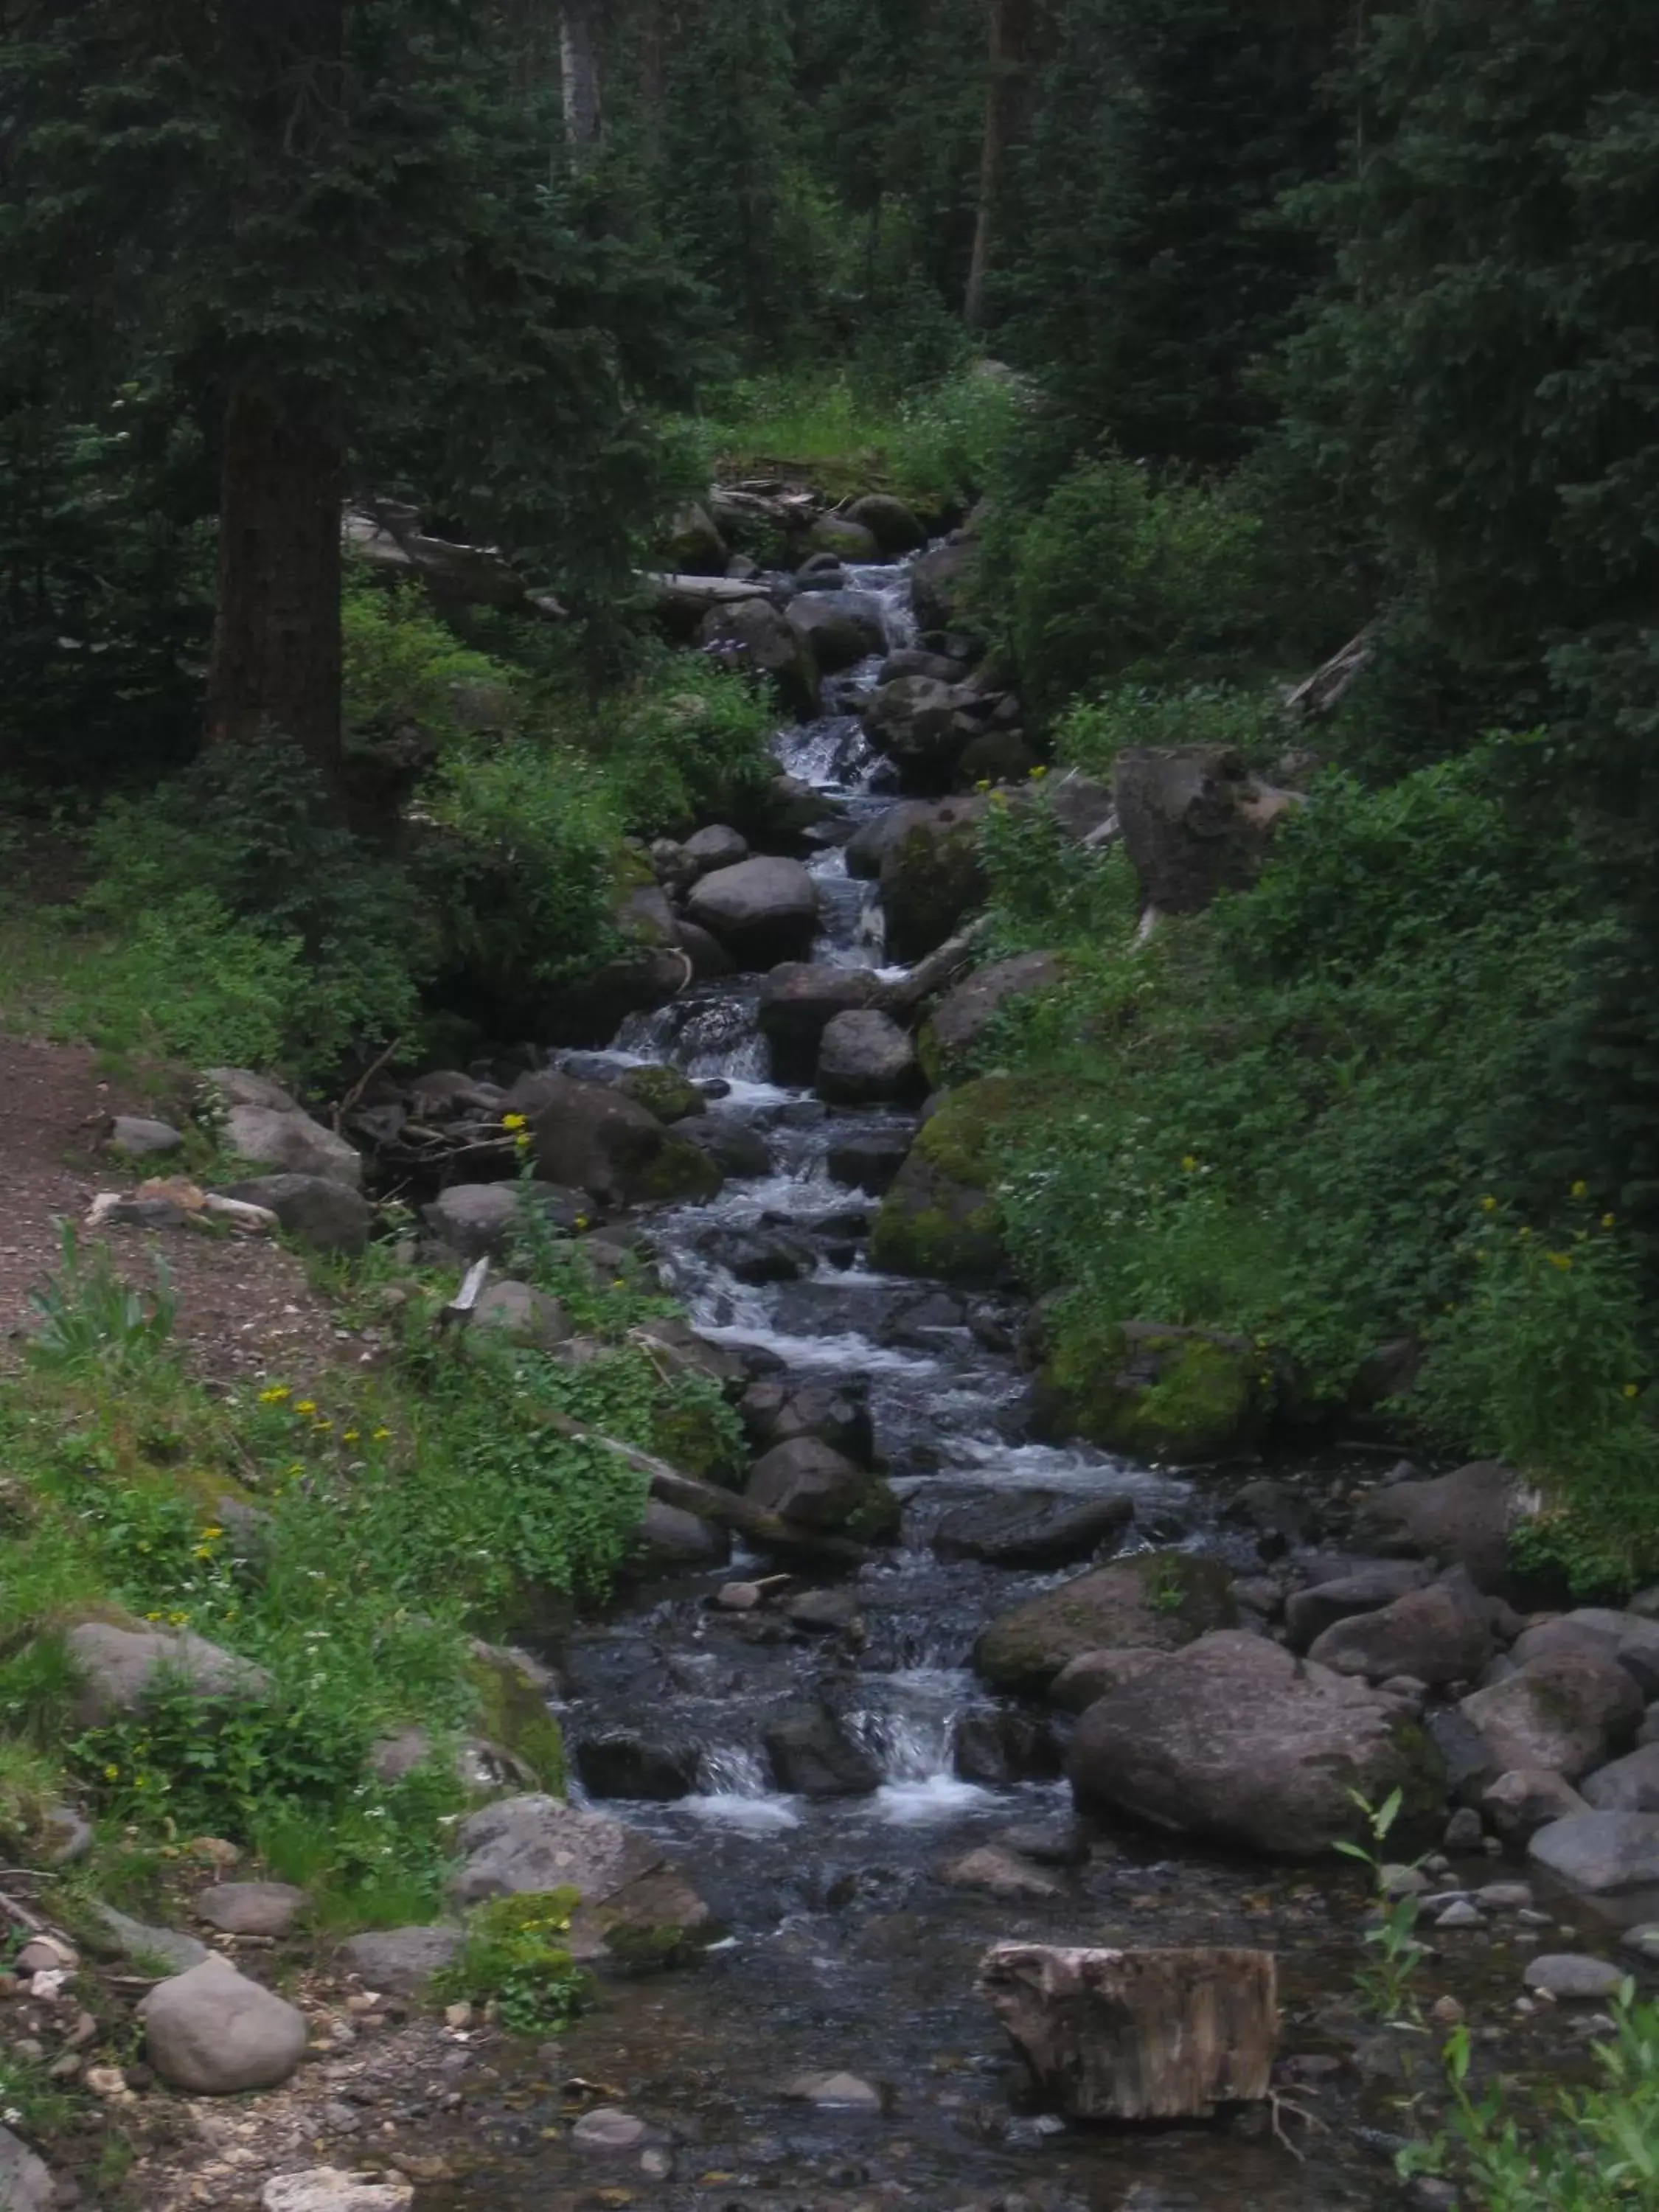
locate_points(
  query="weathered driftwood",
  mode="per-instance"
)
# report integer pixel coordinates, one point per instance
(709, 1502)
(1138, 2035)
(696, 594)
(904, 996)
(390, 535)
(1318, 693)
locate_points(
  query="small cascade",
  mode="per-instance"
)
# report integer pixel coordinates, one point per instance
(710, 1031)
(735, 1792)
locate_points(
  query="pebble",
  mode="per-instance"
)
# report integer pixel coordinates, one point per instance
(1530, 1919)
(1446, 2012)
(1464, 1832)
(656, 2164)
(1461, 1915)
(1570, 1974)
(609, 2129)
(45, 1954)
(1644, 1940)
(843, 2089)
(739, 1597)
(457, 2016)
(105, 2080)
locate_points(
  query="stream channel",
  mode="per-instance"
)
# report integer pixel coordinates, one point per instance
(842, 1950)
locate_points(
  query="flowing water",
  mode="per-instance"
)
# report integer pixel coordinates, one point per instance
(842, 1950)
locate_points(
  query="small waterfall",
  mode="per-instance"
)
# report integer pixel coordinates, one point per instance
(735, 1792)
(913, 1743)
(712, 1031)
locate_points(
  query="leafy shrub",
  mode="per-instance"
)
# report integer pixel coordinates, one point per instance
(687, 743)
(1119, 578)
(404, 667)
(514, 1957)
(1091, 733)
(85, 1317)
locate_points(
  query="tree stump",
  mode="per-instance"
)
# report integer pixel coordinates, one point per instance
(1138, 2035)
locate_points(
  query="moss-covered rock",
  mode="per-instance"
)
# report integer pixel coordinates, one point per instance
(699, 1433)
(848, 540)
(1152, 1391)
(664, 1092)
(680, 1174)
(931, 877)
(1158, 1601)
(941, 1217)
(513, 1692)
(947, 1040)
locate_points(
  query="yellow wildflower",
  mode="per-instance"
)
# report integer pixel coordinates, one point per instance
(380, 1435)
(1581, 1189)
(1607, 1220)
(111, 1774)
(514, 1122)
(1523, 1234)
(1489, 1206)
(1633, 1390)
(1561, 1260)
(275, 1395)
(1189, 1161)
(211, 1532)
(348, 1436)
(306, 1406)
(582, 1221)
(1037, 774)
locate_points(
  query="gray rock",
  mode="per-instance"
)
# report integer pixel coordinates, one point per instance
(1464, 1519)
(1505, 1896)
(938, 582)
(251, 1908)
(127, 1938)
(523, 1316)
(869, 1159)
(1600, 1851)
(592, 1137)
(68, 1834)
(1002, 1875)
(132, 1137)
(1627, 1785)
(327, 2189)
(25, 2182)
(865, 1058)
(475, 1220)
(1195, 821)
(1648, 1731)
(773, 1412)
(847, 539)
(1459, 1914)
(1570, 1974)
(931, 877)
(1465, 1832)
(923, 727)
(538, 1843)
(1001, 1748)
(962, 1017)
(838, 628)
(212, 2031)
(1032, 1528)
(760, 634)
(889, 522)
(869, 843)
(1156, 1601)
(813, 1756)
(716, 847)
(609, 2129)
(736, 1149)
(1625, 1637)
(1525, 1799)
(240, 1086)
(832, 2091)
(625, 1763)
(673, 1542)
(1309, 1613)
(1093, 1674)
(1047, 1843)
(1233, 1738)
(292, 1143)
(763, 911)
(121, 1669)
(1644, 1940)
(806, 1481)
(1566, 1711)
(315, 1210)
(401, 1959)
(1439, 1634)
(823, 1612)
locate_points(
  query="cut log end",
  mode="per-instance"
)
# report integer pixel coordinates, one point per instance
(1138, 2035)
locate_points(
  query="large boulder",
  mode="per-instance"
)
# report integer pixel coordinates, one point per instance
(797, 1003)
(1600, 1852)
(1516, 1805)
(319, 1211)
(1375, 1584)
(938, 582)
(933, 878)
(758, 633)
(1156, 1601)
(940, 1217)
(1464, 1519)
(478, 1220)
(807, 1481)
(694, 545)
(813, 1756)
(1440, 1634)
(962, 1017)
(122, 1669)
(1625, 1637)
(923, 727)
(868, 846)
(292, 1143)
(844, 536)
(1032, 1528)
(664, 1091)
(25, 2182)
(865, 1058)
(773, 1412)
(673, 1542)
(1568, 1711)
(518, 1313)
(1153, 1391)
(212, 2031)
(1627, 1785)
(762, 910)
(1195, 821)
(888, 521)
(1235, 1739)
(838, 628)
(868, 1154)
(594, 1137)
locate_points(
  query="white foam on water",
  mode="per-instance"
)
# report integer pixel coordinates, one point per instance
(938, 1797)
(757, 1816)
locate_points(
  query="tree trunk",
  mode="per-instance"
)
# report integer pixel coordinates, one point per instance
(1138, 2035)
(1007, 114)
(276, 667)
(579, 62)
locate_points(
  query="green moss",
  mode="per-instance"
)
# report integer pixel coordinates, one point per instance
(680, 1174)
(511, 1713)
(941, 1217)
(663, 1091)
(701, 1434)
(1178, 1395)
(1158, 1602)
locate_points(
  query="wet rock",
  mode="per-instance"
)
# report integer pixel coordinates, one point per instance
(212, 2031)
(1153, 1391)
(938, 581)
(838, 628)
(710, 961)
(1235, 1739)
(889, 522)
(799, 1000)
(1195, 821)
(672, 1541)
(1600, 1851)
(823, 1612)
(1439, 1634)
(1000, 1874)
(832, 2091)
(865, 1058)
(1570, 1974)
(327, 2189)
(1157, 1602)
(590, 1136)
(1464, 1832)
(1001, 1748)
(719, 846)
(401, 1959)
(1519, 1803)
(1047, 1843)
(1093, 1674)
(923, 727)
(775, 1412)
(663, 1091)
(940, 1218)
(932, 878)
(1567, 1712)
(314, 1209)
(736, 1149)
(293, 1142)
(806, 1481)
(1464, 1519)
(1032, 1528)
(622, 1763)
(847, 537)
(25, 2182)
(913, 660)
(1309, 1613)
(761, 1256)
(478, 1220)
(251, 1908)
(869, 1159)
(759, 633)
(813, 1756)
(518, 1313)
(120, 1669)
(609, 2129)
(1644, 1940)
(964, 1015)
(763, 911)
(1627, 1785)
(869, 843)
(118, 1934)
(133, 1138)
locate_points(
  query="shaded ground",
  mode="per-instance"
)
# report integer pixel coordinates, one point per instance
(245, 1305)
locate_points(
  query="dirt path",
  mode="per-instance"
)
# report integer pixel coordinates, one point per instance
(245, 1305)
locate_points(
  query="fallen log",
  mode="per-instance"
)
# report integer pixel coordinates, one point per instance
(930, 975)
(1138, 2035)
(1318, 693)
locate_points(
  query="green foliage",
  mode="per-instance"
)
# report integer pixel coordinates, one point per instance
(1090, 734)
(86, 1319)
(686, 744)
(1118, 577)
(404, 670)
(1387, 1988)
(513, 1958)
